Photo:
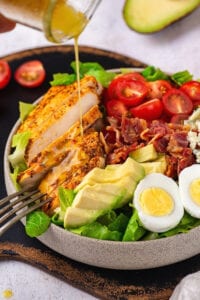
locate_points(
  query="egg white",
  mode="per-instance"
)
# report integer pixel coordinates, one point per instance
(186, 177)
(159, 223)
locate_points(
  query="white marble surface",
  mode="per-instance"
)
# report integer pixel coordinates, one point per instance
(173, 49)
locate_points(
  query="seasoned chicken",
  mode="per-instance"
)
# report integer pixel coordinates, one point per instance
(57, 151)
(83, 154)
(57, 111)
(64, 146)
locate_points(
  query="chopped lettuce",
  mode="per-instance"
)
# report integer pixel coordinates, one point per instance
(187, 222)
(37, 222)
(181, 77)
(25, 109)
(151, 74)
(87, 68)
(134, 231)
(63, 79)
(98, 231)
(19, 142)
(66, 197)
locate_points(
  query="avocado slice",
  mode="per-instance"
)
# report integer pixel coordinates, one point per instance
(148, 16)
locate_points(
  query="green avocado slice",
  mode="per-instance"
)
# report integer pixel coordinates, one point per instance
(148, 16)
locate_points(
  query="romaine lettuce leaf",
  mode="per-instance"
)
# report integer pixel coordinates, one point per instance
(134, 231)
(25, 109)
(37, 222)
(19, 142)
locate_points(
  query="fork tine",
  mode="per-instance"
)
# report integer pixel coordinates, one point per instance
(14, 195)
(22, 214)
(18, 199)
(21, 205)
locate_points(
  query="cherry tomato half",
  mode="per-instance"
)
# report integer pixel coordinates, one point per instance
(176, 101)
(150, 110)
(192, 89)
(115, 108)
(132, 76)
(130, 92)
(30, 74)
(5, 74)
(158, 88)
(179, 118)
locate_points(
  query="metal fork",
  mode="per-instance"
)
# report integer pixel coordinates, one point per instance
(17, 205)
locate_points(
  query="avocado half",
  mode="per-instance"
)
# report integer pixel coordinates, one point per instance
(148, 16)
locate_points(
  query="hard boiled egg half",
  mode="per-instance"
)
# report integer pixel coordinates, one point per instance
(189, 185)
(158, 203)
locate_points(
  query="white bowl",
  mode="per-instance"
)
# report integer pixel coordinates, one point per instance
(112, 254)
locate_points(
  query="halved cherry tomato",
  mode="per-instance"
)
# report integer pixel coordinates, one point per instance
(130, 92)
(133, 76)
(5, 74)
(30, 74)
(179, 118)
(176, 101)
(158, 88)
(150, 110)
(192, 89)
(115, 108)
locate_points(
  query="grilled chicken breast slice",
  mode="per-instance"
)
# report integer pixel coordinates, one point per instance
(85, 153)
(57, 111)
(57, 151)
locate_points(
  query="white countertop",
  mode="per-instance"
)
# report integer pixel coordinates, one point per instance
(173, 49)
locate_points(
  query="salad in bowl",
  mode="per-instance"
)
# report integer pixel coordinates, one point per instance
(119, 160)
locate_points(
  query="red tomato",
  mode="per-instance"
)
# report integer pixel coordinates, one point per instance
(130, 92)
(158, 88)
(192, 89)
(150, 110)
(115, 108)
(132, 76)
(179, 118)
(5, 74)
(30, 74)
(176, 101)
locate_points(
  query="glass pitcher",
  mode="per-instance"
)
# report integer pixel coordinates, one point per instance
(60, 20)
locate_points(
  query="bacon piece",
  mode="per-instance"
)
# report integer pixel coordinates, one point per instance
(177, 142)
(119, 155)
(186, 160)
(131, 128)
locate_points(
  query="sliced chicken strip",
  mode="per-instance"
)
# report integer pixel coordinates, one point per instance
(86, 153)
(58, 110)
(57, 151)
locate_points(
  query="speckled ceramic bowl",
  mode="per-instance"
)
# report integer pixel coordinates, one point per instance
(111, 254)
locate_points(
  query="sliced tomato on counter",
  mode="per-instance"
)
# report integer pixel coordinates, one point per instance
(158, 88)
(150, 110)
(115, 108)
(130, 92)
(30, 74)
(5, 74)
(176, 101)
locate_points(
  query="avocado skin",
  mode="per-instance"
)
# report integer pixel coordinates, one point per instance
(149, 16)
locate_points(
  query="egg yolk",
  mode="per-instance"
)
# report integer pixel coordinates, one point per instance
(156, 202)
(195, 191)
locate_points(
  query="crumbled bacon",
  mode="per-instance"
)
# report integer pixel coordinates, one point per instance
(125, 135)
(131, 129)
(177, 142)
(119, 155)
